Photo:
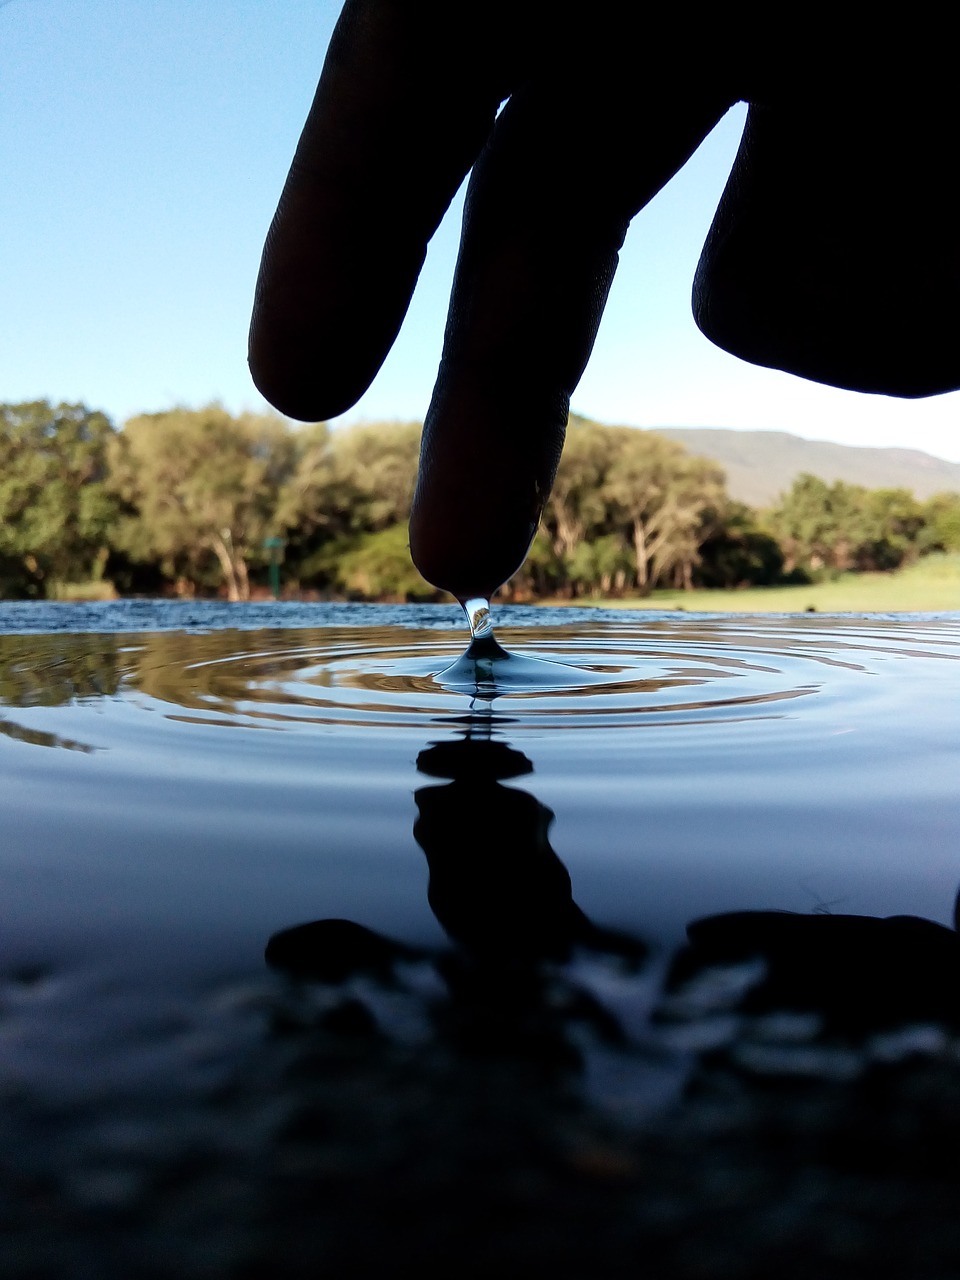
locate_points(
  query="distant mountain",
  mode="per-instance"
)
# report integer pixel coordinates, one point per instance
(760, 465)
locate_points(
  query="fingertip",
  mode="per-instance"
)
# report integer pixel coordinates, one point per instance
(832, 255)
(295, 370)
(465, 559)
(488, 459)
(402, 107)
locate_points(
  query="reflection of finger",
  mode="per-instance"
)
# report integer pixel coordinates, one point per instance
(833, 254)
(406, 98)
(547, 209)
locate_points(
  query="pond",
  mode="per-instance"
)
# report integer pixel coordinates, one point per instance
(173, 795)
(207, 807)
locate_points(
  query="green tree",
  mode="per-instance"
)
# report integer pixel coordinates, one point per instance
(56, 511)
(892, 523)
(346, 484)
(941, 516)
(602, 566)
(665, 499)
(738, 552)
(542, 573)
(845, 526)
(816, 523)
(310, 498)
(378, 567)
(375, 465)
(201, 484)
(576, 511)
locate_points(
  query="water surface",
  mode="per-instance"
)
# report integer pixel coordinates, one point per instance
(183, 783)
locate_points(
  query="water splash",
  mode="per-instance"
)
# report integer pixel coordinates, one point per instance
(487, 669)
(485, 658)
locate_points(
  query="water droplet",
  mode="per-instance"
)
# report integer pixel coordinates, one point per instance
(477, 609)
(483, 648)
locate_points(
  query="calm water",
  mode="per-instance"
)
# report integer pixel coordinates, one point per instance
(181, 783)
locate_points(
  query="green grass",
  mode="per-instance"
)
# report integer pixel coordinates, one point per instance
(931, 585)
(95, 589)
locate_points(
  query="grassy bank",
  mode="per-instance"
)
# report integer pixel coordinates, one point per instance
(94, 589)
(931, 585)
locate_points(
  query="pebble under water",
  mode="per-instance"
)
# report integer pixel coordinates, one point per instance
(239, 839)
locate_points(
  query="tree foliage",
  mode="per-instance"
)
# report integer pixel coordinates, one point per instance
(55, 507)
(629, 510)
(377, 566)
(189, 497)
(345, 485)
(738, 552)
(941, 529)
(201, 483)
(843, 526)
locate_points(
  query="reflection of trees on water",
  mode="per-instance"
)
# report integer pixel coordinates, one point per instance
(186, 670)
(52, 670)
(40, 737)
(219, 670)
(197, 671)
(183, 668)
(258, 675)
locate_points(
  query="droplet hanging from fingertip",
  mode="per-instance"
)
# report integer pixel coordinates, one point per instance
(479, 617)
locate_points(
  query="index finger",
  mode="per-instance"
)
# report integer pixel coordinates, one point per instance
(407, 95)
(546, 213)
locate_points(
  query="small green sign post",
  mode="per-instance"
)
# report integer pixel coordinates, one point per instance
(275, 548)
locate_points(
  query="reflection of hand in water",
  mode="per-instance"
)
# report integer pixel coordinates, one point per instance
(858, 973)
(500, 893)
(496, 886)
(505, 900)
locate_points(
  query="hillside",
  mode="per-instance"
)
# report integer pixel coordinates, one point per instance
(762, 464)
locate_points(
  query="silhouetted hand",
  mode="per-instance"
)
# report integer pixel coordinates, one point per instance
(859, 973)
(833, 254)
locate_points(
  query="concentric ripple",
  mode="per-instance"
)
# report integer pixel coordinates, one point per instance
(602, 673)
(626, 672)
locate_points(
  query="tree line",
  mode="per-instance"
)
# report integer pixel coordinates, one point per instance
(200, 501)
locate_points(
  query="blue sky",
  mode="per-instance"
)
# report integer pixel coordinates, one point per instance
(143, 144)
